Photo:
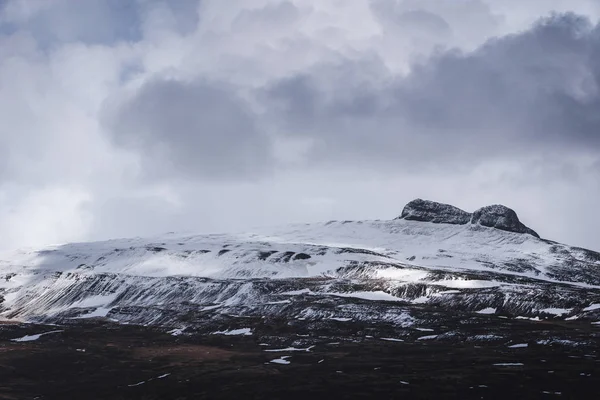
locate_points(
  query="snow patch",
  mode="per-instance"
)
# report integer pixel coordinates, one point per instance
(420, 300)
(466, 284)
(98, 312)
(289, 349)
(592, 307)
(556, 311)
(375, 296)
(297, 292)
(30, 338)
(428, 337)
(208, 308)
(235, 332)
(271, 303)
(282, 360)
(402, 274)
(509, 364)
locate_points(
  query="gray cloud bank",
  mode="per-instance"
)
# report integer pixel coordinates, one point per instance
(519, 96)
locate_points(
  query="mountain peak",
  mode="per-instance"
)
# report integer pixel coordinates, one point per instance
(501, 217)
(494, 216)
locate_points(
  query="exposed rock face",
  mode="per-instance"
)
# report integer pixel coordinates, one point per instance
(500, 217)
(438, 213)
(494, 216)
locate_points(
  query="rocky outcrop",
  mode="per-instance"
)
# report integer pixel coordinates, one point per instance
(500, 217)
(438, 213)
(494, 216)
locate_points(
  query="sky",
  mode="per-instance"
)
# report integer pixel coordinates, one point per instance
(138, 117)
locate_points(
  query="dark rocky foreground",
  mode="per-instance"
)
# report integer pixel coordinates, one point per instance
(97, 359)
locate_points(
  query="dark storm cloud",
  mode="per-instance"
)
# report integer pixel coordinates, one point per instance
(520, 95)
(190, 129)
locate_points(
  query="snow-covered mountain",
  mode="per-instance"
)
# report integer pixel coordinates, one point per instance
(433, 256)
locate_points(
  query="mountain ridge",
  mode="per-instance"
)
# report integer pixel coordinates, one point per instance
(297, 271)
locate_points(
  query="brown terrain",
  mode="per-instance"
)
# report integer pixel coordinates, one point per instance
(96, 359)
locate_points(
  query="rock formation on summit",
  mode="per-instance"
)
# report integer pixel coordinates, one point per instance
(494, 216)
(438, 213)
(500, 217)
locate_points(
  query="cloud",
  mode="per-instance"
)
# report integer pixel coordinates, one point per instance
(154, 116)
(520, 96)
(193, 129)
(54, 22)
(426, 24)
(59, 21)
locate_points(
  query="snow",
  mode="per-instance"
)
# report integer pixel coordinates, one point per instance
(30, 338)
(518, 346)
(340, 319)
(235, 332)
(467, 284)
(424, 329)
(95, 301)
(563, 342)
(509, 364)
(420, 300)
(592, 307)
(283, 360)
(488, 310)
(289, 349)
(99, 312)
(40, 280)
(375, 296)
(297, 292)
(151, 379)
(208, 308)
(557, 311)
(402, 274)
(392, 339)
(176, 332)
(486, 337)
(272, 303)
(429, 337)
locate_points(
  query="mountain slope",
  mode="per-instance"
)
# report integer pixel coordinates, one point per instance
(359, 270)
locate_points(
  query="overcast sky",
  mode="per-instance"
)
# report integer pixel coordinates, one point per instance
(137, 117)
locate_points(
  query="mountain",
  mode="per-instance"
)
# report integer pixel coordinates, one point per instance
(433, 257)
(436, 303)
